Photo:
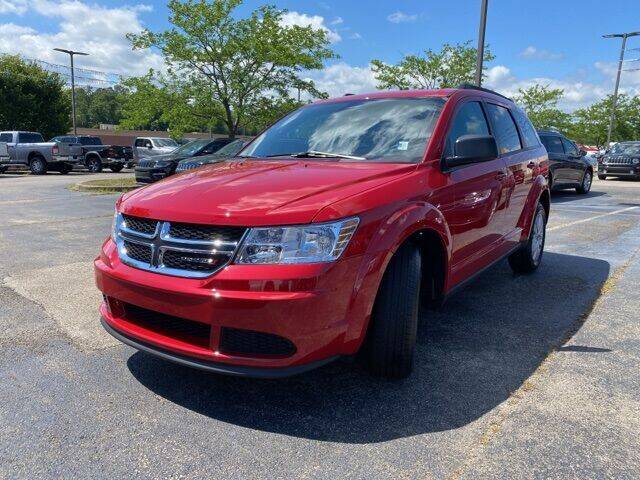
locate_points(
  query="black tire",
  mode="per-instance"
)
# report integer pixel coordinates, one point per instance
(94, 164)
(525, 260)
(602, 177)
(394, 322)
(585, 185)
(38, 165)
(116, 168)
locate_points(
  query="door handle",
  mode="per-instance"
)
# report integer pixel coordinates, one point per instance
(531, 165)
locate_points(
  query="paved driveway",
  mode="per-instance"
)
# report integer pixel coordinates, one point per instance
(517, 376)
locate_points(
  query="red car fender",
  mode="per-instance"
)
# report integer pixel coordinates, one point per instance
(389, 235)
(539, 188)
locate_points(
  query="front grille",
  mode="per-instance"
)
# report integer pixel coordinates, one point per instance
(249, 342)
(619, 161)
(179, 249)
(175, 327)
(207, 233)
(137, 251)
(183, 167)
(147, 163)
(142, 225)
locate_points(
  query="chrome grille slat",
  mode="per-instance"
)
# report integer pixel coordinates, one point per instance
(207, 250)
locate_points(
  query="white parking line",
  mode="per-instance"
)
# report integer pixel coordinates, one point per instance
(595, 217)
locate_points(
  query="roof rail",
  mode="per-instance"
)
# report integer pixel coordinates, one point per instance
(469, 86)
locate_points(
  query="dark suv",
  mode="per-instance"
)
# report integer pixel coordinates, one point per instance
(621, 160)
(568, 165)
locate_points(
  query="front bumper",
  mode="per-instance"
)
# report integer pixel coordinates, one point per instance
(306, 304)
(619, 170)
(153, 174)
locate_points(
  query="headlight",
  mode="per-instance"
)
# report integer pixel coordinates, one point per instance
(323, 242)
(162, 163)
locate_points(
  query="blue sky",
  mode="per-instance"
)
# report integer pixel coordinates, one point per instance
(556, 42)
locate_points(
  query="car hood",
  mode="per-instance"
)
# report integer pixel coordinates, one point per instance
(257, 192)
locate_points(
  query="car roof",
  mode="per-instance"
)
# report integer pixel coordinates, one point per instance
(442, 93)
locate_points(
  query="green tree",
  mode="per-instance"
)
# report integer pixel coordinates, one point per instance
(540, 102)
(590, 124)
(447, 68)
(99, 105)
(237, 60)
(32, 98)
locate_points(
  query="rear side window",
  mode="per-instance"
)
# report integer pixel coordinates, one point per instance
(469, 120)
(529, 135)
(6, 137)
(504, 129)
(30, 138)
(552, 143)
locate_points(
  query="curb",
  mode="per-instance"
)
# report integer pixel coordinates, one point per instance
(95, 186)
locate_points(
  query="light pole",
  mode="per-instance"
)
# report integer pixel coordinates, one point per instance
(73, 85)
(624, 37)
(481, 30)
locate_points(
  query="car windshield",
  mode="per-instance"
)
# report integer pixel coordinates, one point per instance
(626, 149)
(164, 142)
(379, 130)
(192, 147)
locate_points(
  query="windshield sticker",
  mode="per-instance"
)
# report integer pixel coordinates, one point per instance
(403, 145)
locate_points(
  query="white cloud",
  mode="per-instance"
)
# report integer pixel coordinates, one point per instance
(337, 21)
(355, 36)
(534, 53)
(341, 78)
(401, 17)
(101, 32)
(17, 7)
(315, 21)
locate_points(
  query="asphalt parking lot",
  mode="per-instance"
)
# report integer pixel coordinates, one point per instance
(517, 376)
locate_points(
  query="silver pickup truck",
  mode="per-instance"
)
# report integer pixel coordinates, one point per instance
(29, 148)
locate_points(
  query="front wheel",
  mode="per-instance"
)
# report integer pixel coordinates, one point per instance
(394, 322)
(585, 186)
(38, 166)
(94, 164)
(527, 259)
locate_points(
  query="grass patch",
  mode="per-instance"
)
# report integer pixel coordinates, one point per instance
(109, 185)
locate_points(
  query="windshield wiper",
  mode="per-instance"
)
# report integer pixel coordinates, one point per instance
(316, 154)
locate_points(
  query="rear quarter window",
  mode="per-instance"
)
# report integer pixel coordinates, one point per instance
(552, 143)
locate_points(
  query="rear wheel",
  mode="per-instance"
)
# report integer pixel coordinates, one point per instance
(394, 323)
(527, 259)
(94, 164)
(38, 165)
(116, 168)
(585, 186)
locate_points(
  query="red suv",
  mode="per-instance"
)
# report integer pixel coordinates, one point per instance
(326, 234)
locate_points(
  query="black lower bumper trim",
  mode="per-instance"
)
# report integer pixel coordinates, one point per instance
(222, 368)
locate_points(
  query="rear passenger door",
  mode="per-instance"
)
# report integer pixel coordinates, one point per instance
(477, 221)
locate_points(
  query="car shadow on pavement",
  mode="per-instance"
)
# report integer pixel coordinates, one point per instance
(472, 354)
(564, 196)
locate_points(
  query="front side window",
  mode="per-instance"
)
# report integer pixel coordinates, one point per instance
(570, 148)
(504, 129)
(469, 120)
(6, 137)
(378, 130)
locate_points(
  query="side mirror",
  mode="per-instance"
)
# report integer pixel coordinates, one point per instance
(473, 149)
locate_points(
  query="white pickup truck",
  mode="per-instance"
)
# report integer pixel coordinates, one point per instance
(29, 148)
